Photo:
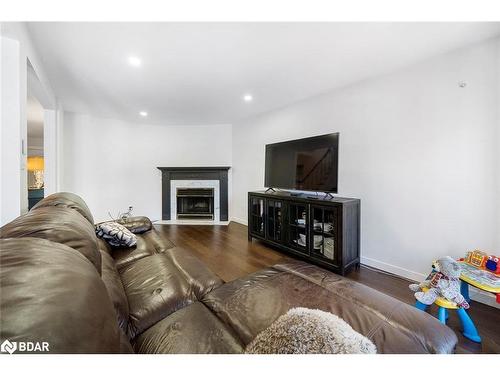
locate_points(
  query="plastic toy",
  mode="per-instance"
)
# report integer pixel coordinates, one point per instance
(476, 258)
(443, 287)
(481, 260)
(492, 264)
(443, 282)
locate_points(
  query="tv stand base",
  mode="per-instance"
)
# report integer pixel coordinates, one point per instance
(294, 225)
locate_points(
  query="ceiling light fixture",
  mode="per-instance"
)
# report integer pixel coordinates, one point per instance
(143, 113)
(134, 61)
(248, 98)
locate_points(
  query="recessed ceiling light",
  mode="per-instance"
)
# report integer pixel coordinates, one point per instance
(143, 113)
(134, 61)
(248, 98)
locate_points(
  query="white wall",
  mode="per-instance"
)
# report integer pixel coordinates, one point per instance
(35, 146)
(17, 50)
(10, 131)
(497, 158)
(50, 149)
(420, 153)
(112, 164)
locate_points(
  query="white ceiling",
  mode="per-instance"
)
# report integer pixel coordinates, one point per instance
(197, 73)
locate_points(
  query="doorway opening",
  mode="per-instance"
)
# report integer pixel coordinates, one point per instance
(35, 152)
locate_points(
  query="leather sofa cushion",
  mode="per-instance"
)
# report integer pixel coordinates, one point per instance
(69, 200)
(251, 304)
(105, 247)
(136, 224)
(114, 286)
(156, 286)
(52, 293)
(125, 346)
(148, 243)
(192, 330)
(201, 280)
(58, 224)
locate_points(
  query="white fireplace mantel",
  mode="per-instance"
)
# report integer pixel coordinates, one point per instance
(183, 184)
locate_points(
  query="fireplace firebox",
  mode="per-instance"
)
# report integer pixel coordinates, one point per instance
(195, 203)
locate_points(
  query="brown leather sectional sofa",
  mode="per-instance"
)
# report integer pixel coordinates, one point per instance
(62, 285)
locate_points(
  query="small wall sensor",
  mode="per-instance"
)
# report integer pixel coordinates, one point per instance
(462, 84)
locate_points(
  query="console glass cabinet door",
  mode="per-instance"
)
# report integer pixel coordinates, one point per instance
(297, 227)
(274, 220)
(320, 230)
(325, 231)
(257, 216)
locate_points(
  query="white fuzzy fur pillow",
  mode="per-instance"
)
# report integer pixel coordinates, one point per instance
(306, 331)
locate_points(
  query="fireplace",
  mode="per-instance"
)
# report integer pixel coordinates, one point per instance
(204, 194)
(195, 203)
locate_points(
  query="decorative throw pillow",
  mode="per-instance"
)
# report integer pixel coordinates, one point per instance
(306, 331)
(115, 234)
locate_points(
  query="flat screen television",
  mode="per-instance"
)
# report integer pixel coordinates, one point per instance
(309, 164)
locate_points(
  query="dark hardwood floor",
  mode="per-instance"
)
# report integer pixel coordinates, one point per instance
(227, 252)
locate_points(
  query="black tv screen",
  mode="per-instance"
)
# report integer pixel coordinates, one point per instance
(303, 164)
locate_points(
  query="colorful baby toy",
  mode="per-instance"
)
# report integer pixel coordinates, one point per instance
(444, 282)
(481, 260)
(476, 258)
(443, 287)
(492, 264)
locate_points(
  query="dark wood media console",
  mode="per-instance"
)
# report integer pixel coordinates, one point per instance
(322, 230)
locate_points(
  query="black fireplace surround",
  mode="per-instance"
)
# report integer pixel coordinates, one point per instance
(194, 173)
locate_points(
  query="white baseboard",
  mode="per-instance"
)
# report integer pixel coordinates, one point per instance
(240, 221)
(191, 222)
(399, 271)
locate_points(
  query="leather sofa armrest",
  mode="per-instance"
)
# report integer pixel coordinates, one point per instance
(136, 224)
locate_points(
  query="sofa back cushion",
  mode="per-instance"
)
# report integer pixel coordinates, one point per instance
(252, 303)
(114, 285)
(69, 200)
(148, 243)
(160, 284)
(59, 224)
(52, 294)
